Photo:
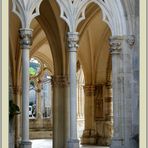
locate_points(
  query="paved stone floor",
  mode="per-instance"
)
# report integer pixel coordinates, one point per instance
(47, 143)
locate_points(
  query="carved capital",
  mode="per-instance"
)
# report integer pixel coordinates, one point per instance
(131, 41)
(115, 44)
(60, 81)
(72, 41)
(90, 90)
(25, 38)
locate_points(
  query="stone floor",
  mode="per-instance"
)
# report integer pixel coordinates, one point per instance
(47, 143)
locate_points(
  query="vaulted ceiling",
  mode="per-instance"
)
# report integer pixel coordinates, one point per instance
(50, 43)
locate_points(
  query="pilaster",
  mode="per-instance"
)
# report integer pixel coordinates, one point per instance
(122, 97)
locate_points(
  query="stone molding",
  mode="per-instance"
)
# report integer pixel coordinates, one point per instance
(60, 81)
(115, 44)
(25, 38)
(73, 38)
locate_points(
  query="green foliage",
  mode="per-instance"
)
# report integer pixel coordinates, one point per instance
(32, 71)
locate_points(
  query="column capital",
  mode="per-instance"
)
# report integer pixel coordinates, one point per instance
(60, 81)
(90, 90)
(25, 38)
(115, 44)
(131, 40)
(73, 38)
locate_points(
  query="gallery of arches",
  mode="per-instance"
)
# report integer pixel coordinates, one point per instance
(73, 73)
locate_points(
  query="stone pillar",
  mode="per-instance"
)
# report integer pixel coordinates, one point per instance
(73, 142)
(60, 111)
(122, 99)
(89, 135)
(26, 11)
(25, 35)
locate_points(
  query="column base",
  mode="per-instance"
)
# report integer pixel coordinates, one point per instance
(26, 144)
(73, 143)
(88, 137)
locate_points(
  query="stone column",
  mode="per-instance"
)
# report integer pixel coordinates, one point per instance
(73, 142)
(121, 82)
(25, 35)
(60, 111)
(89, 135)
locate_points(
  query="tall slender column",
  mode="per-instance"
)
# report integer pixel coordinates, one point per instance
(89, 135)
(26, 11)
(121, 82)
(73, 142)
(25, 35)
(60, 111)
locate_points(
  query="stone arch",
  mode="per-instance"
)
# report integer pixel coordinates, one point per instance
(116, 21)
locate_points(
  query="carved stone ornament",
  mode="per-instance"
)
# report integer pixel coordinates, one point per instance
(131, 41)
(115, 44)
(25, 38)
(26, 10)
(72, 41)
